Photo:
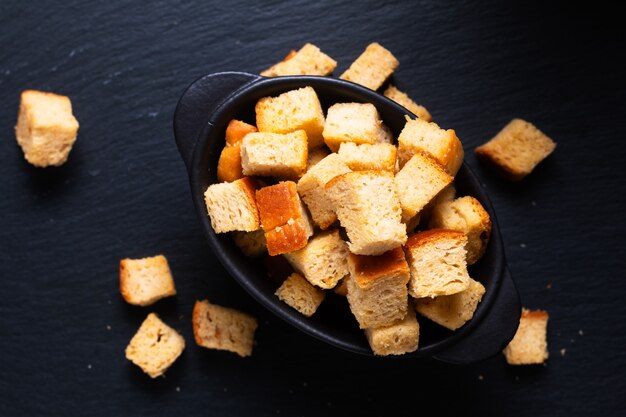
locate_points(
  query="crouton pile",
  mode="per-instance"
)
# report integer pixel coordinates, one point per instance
(355, 210)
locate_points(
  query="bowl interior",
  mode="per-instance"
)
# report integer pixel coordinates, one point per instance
(333, 321)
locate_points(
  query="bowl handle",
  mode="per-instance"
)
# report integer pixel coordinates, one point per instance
(493, 333)
(197, 104)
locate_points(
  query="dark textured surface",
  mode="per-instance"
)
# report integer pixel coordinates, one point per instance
(124, 192)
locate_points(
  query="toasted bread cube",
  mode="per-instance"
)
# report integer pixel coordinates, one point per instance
(252, 244)
(274, 154)
(284, 218)
(223, 328)
(323, 261)
(145, 281)
(397, 339)
(229, 165)
(421, 136)
(529, 345)
(299, 294)
(46, 129)
(365, 157)
(418, 182)
(405, 101)
(466, 215)
(354, 122)
(437, 261)
(155, 346)
(294, 110)
(452, 311)
(315, 156)
(313, 193)
(368, 207)
(517, 149)
(444, 196)
(372, 68)
(237, 130)
(377, 291)
(309, 60)
(232, 206)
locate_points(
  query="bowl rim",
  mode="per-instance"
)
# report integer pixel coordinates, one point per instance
(273, 304)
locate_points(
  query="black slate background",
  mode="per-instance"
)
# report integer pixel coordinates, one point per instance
(124, 193)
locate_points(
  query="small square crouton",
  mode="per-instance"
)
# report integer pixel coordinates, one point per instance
(274, 154)
(229, 165)
(237, 130)
(364, 157)
(323, 261)
(284, 218)
(309, 60)
(377, 292)
(529, 345)
(517, 149)
(231, 206)
(294, 110)
(252, 244)
(223, 328)
(418, 182)
(443, 145)
(299, 294)
(46, 129)
(354, 122)
(466, 215)
(368, 207)
(145, 281)
(372, 67)
(315, 156)
(311, 188)
(452, 311)
(405, 101)
(399, 338)
(155, 346)
(437, 261)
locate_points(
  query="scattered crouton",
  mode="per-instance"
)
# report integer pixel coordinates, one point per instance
(155, 346)
(274, 154)
(217, 327)
(372, 68)
(397, 339)
(309, 60)
(356, 123)
(46, 128)
(145, 281)
(529, 345)
(366, 157)
(405, 101)
(237, 130)
(299, 294)
(517, 149)
(231, 206)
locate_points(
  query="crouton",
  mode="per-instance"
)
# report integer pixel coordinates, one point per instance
(368, 207)
(418, 182)
(237, 130)
(309, 60)
(313, 193)
(46, 129)
(223, 328)
(365, 157)
(294, 110)
(443, 145)
(397, 339)
(145, 281)
(452, 311)
(354, 122)
(405, 101)
(529, 345)
(437, 261)
(377, 288)
(274, 154)
(299, 294)
(372, 68)
(284, 218)
(155, 346)
(323, 261)
(229, 164)
(231, 206)
(466, 215)
(517, 149)
(252, 244)
(315, 156)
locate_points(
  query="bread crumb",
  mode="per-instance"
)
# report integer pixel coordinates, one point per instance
(304, 384)
(516, 378)
(89, 366)
(522, 245)
(533, 204)
(481, 378)
(108, 327)
(562, 352)
(549, 286)
(580, 332)
(177, 389)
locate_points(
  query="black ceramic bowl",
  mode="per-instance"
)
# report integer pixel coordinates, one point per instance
(200, 121)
